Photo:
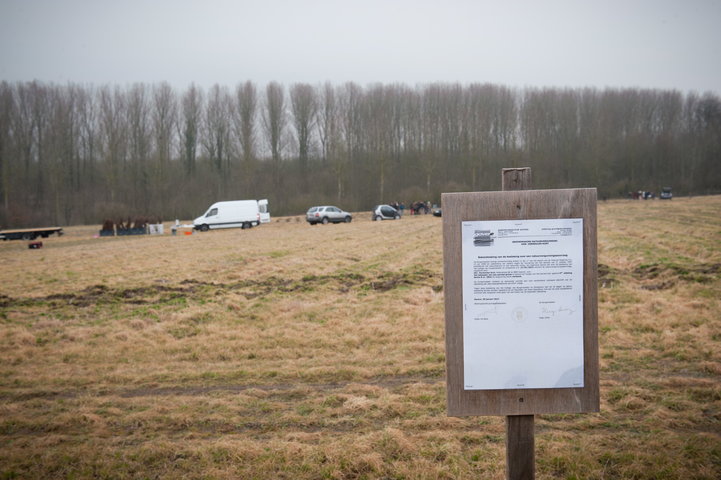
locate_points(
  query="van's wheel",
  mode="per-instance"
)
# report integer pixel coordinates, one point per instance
(378, 217)
(203, 228)
(396, 217)
(347, 219)
(325, 221)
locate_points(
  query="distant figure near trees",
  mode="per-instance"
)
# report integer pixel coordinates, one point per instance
(420, 207)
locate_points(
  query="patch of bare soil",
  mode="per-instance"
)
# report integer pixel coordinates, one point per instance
(606, 276)
(661, 276)
(189, 289)
(278, 389)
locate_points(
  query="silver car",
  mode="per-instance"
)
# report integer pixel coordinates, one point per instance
(327, 214)
(385, 212)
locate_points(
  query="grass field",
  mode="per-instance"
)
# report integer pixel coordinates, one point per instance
(298, 352)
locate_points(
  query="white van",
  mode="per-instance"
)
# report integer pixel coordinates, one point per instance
(237, 213)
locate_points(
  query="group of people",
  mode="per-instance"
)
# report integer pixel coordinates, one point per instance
(641, 195)
(416, 208)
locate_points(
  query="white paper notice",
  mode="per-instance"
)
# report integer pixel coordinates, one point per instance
(523, 304)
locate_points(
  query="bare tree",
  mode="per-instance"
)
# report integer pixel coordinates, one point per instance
(350, 111)
(113, 132)
(378, 121)
(304, 107)
(245, 128)
(505, 121)
(328, 126)
(6, 106)
(64, 179)
(165, 112)
(139, 126)
(477, 131)
(189, 125)
(432, 131)
(327, 123)
(87, 131)
(216, 129)
(274, 124)
(708, 128)
(40, 111)
(23, 133)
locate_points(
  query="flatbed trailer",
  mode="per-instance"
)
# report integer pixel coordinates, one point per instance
(29, 233)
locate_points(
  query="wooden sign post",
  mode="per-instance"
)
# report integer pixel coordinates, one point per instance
(520, 435)
(520, 284)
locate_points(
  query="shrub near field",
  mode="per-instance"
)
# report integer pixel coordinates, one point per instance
(298, 352)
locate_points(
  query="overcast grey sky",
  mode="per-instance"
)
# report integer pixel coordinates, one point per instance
(545, 43)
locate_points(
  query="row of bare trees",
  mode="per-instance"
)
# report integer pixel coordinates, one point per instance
(77, 154)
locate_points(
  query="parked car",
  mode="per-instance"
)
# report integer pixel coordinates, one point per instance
(666, 194)
(385, 212)
(327, 214)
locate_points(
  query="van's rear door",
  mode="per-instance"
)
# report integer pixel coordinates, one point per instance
(264, 212)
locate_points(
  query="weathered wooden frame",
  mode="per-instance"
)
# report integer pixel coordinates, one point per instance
(511, 205)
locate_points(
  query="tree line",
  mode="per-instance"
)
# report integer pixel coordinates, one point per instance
(77, 154)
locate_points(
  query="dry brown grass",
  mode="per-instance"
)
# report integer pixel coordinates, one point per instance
(291, 351)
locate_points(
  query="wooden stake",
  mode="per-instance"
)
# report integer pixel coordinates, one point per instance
(516, 178)
(520, 441)
(520, 448)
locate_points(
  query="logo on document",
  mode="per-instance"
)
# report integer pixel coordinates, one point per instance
(482, 238)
